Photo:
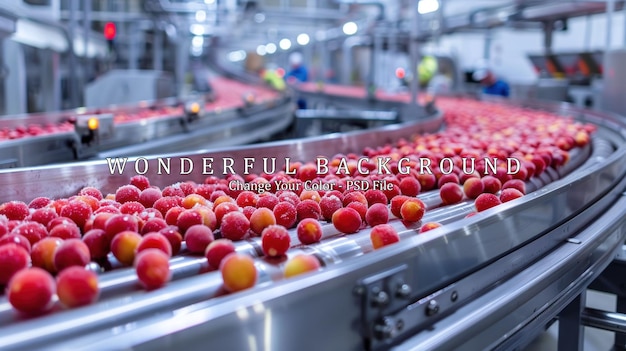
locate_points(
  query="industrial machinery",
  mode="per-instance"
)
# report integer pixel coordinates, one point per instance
(491, 281)
(341, 108)
(145, 128)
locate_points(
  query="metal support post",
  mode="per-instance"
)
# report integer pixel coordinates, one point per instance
(73, 62)
(86, 30)
(50, 80)
(548, 31)
(620, 339)
(610, 9)
(487, 46)
(624, 12)
(182, 57)
(15, 81)
(414, 51)
(376, 59)
(157, 49)
(133, 46)
(571, 329)
(371, 83)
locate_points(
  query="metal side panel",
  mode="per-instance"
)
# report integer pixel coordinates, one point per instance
(358, 302)
(64, 180)
(228, 128)
(39, 150)
(498, 319)
(342, 307)
(325, 311)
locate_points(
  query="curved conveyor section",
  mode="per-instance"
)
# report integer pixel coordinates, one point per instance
(465, 285)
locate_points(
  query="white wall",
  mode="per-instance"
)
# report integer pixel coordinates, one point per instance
(510, 47)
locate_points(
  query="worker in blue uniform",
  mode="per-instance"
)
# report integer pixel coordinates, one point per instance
(491, 84)
(298, 73)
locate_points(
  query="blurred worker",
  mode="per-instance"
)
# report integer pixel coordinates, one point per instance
(426, 70)
(491, 84)
(441, 82)
(271, 77)
(297, 73)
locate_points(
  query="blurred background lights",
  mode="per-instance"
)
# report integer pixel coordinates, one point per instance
(285, 44)
(270, 48)
(196, 29)
(303, 39)
(427, 6)
(236, 56)
(200, 16)
(350, 28)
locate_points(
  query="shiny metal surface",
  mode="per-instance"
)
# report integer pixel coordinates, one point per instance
(489, 321)
(40, 150)
(359, 100)
(225, 128)
(604, 320)
(443, 255)
(147, 136)
(519, 246)
(60, 181)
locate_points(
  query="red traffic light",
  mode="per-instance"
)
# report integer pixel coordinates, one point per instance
(109, 31)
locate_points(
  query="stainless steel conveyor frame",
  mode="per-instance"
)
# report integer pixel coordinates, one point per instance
(490, 281)
(175, 133)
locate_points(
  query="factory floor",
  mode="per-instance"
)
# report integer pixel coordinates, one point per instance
(595, 339)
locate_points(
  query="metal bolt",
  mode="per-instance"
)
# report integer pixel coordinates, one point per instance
(94, 267)
(404, 290)
(399, 325)
(454, 296)
(432, 308)
(384, 329)
(359, 290)
(380, 298)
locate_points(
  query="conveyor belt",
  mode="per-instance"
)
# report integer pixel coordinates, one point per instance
(227, 122)
(228, 128)
(351, 97)
(450, 270)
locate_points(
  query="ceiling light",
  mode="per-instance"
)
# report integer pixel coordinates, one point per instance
(270, 48)
(196, 29)
(261, 50)
(284, 44)
(200, 16)
(427, 6)
(303, 39)
(350, 28)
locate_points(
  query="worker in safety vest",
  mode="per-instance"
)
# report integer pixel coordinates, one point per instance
(271, 77)
(426, 70)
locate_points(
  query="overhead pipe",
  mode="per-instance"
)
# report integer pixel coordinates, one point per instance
(318, 14)
(489, 10)
(379, 4)
(190, 7)
(108, 16)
